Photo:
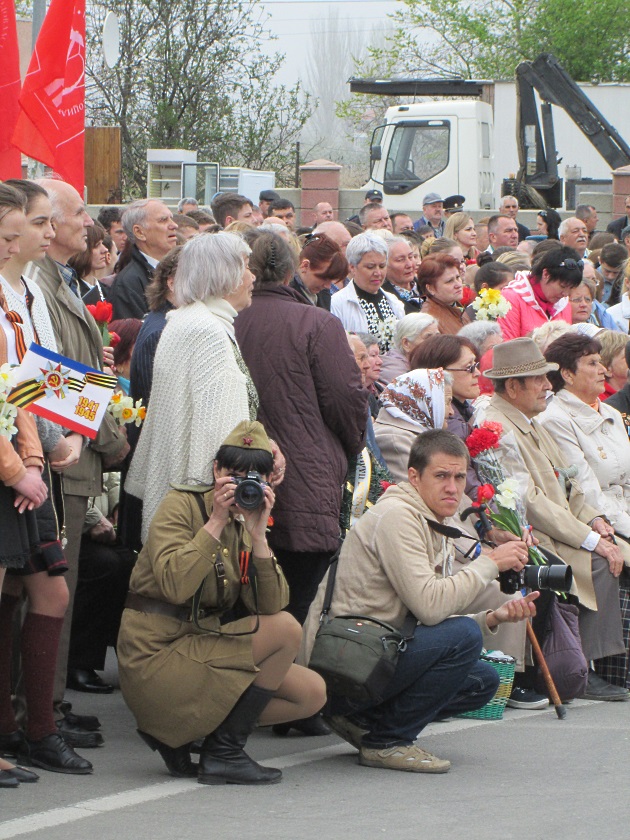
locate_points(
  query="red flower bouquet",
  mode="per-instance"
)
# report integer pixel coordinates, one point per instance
(483, 438)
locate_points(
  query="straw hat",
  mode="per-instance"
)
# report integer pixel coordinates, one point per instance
(516, 358)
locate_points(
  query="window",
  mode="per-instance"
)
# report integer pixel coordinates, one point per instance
(418, 151)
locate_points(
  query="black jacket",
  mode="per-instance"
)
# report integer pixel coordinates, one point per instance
(615, 227)
(127, 294)
(621, 401)
(411, 306)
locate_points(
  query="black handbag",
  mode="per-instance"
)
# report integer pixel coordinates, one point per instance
(355, 654)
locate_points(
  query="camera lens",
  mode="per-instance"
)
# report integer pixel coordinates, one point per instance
(557, 577)
(249, 494)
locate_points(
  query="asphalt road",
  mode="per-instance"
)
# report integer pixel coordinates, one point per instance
(528, 776)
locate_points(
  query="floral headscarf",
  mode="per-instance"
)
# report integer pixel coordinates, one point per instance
(417, 397)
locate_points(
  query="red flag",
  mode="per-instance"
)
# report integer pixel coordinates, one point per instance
(51, 124)
(10, 158)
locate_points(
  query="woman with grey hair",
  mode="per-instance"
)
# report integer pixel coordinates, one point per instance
(201, 386)
(363, 306)
(409, 332)
(483, 334)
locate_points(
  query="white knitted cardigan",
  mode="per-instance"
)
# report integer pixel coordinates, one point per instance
(38, 315)
(198, 396)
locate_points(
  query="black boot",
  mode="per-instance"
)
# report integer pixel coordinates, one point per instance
(311, 726)
(223, 759)
(177, 759)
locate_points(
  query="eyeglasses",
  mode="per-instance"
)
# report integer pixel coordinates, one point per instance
(542, 213)
(572, 265)
(470, 369)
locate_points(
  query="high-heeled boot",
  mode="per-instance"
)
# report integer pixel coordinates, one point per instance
(223, 759)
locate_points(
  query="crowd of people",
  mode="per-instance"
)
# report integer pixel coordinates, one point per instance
(307, 396)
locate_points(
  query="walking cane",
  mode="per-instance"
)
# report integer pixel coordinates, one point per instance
(561, 710)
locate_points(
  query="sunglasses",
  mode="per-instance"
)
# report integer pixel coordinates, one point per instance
(470, 369)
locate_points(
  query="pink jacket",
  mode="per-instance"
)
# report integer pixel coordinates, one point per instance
(526, 313)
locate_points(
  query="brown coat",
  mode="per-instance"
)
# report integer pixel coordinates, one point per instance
(78, 338)
(181, 681)
(450, 318)
(559, 523)
(29, 449)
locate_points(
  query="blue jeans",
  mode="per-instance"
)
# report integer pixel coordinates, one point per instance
(439, 673)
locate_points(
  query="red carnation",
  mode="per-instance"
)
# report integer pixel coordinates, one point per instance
(386, 484)
(483, 439)
(114, 339)
(485, 493)
(468, 295)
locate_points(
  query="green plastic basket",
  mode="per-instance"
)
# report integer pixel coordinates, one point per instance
(493, 710)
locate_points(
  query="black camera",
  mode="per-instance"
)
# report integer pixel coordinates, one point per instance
(558, 578)
(250, 490)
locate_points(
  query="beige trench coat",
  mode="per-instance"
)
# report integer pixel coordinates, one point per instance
(180, 681)
(559, 523)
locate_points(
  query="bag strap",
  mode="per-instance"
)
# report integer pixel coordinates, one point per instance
(219, 569)
(409, 625)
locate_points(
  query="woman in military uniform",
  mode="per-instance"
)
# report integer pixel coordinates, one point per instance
(183, 673)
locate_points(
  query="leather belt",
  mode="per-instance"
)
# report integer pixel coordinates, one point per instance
(141, 603)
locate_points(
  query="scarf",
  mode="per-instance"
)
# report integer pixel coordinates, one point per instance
(418, 398)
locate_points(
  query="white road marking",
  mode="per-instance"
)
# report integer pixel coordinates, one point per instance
(138, 796)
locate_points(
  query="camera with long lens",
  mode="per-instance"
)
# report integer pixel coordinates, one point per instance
(250, 490)
(557, 578)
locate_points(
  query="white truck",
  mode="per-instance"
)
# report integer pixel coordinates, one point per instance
(471, 147)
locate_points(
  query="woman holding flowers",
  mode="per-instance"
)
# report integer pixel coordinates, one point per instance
(542, 294)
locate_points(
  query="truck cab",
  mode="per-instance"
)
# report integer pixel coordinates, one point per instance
(444, 147)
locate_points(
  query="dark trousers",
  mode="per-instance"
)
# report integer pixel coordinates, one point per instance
(304, 571)
(104, 572)
(438, 673)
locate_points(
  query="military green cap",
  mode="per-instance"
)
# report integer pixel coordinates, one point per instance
(249, 435)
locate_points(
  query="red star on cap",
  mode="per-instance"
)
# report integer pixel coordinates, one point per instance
(248, 441)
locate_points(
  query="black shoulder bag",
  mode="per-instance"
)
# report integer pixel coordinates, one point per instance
(355, 654)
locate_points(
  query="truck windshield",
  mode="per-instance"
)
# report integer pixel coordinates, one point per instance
(418, 151)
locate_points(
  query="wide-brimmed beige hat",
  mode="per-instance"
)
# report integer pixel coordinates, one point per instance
(518, 357)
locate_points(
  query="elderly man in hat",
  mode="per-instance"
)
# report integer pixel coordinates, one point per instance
(432, 214)
(562, 520)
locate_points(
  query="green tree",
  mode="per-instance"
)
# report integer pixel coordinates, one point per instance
(488, 38)
(192, 75)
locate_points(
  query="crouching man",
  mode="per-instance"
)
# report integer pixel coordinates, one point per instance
(392, 563)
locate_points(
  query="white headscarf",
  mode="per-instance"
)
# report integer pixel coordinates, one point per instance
(417, 397)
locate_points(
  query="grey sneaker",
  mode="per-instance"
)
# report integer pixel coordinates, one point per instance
(599, 689)
(350, 732)
(410, 758)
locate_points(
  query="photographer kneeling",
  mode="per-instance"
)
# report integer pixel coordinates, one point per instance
(393, 563)
(183, 674)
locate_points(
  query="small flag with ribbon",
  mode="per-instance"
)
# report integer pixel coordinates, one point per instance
(62, 390)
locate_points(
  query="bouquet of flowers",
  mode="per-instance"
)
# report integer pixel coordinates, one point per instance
(8, 412)
(124, 410)
(510, 514)
(490, 305)
(385, 334)
(102, 312)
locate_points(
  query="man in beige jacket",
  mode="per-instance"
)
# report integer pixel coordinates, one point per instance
(394, 563)
(562, 520)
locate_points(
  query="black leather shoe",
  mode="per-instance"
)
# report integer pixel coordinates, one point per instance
(23, 775)
(7, 780)
(10, 744)
(76, 737)
(177, 759)
(311, 726)
(53, 753)
(83, 679)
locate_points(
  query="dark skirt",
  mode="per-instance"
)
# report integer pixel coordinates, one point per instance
(19, 535)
